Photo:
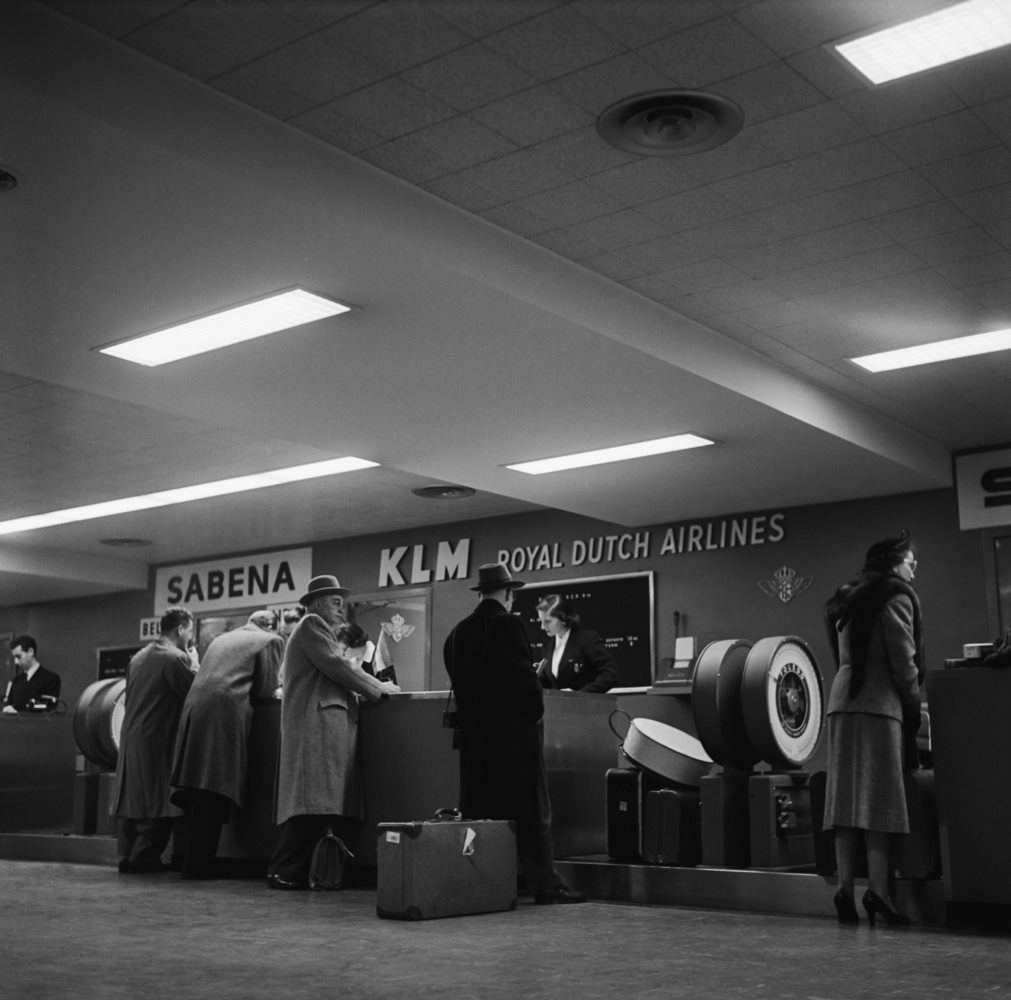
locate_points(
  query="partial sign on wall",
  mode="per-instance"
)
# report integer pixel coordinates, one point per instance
(983, 480)
(264, 579)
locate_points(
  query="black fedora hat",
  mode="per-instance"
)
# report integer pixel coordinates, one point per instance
(320, 586)
(495, 576)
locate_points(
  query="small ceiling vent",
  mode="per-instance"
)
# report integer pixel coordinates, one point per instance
(8, 181)
(670, 123)
(443, 492)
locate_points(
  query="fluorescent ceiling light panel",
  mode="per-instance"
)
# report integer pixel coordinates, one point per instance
(621, 453)
(186, 494)
(941, 350)
(942, 37)
(282, 311)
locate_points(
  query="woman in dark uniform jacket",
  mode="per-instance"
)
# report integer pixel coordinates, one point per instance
(583, 664)
(874, 627)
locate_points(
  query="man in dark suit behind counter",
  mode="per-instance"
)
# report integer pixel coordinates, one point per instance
(33, 688)
(501, 705)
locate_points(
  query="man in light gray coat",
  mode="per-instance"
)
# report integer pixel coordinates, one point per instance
(319, 780)
(239, 669)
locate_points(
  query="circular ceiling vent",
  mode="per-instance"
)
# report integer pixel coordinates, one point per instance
(8, 181)
(443, 492)
(670, 123)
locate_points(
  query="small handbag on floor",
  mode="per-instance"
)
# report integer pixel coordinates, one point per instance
(326, 867)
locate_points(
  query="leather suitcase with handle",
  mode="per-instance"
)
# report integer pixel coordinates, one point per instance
(445, 867)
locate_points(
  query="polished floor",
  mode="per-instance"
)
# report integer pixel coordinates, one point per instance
(84, 931)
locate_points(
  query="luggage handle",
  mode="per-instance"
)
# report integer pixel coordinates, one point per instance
(448, 814)
(610, 722)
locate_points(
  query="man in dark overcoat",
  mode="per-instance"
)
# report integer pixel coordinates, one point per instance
(501, 706)
(157, 682)
(238, 670)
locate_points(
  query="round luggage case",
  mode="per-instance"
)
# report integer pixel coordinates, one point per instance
(664, 750)
(782, 700)
(717, 704)
(98, 719)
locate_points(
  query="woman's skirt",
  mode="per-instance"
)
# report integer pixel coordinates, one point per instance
(865, 787)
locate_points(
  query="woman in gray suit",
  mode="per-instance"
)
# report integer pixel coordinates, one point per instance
(874, 627)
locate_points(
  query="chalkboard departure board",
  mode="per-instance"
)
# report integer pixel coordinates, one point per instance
(620, 608)
(113, 660)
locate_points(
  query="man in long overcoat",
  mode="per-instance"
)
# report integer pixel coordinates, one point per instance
(157, 682)
(319, 779)
(239, 669)
(501, 706)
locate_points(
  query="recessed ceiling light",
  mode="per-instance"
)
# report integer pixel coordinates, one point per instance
(621, 453)
(186, 494)
(945, 36)
(940, 350)
(247, 321)
(447, 492)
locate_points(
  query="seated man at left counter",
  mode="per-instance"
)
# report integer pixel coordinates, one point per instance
(158, 679)
(239, 670)
(33, 688)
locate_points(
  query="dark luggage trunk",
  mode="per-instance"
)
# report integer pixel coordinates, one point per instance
(672, 827)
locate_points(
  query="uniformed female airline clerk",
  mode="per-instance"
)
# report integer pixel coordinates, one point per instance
(319, 778)
(577, 659)
(874, 626)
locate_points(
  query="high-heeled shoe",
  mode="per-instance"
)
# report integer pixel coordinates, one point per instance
(876, 906)
(846, 908)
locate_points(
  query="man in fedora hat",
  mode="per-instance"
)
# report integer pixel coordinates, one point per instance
(319, 779)
(501, 705)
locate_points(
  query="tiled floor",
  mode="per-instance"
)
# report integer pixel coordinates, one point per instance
(83, 931)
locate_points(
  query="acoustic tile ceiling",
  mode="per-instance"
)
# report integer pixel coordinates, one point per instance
(522, 288)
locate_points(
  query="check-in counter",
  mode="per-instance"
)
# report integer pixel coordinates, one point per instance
(38, 757)
(410, 770)
(970, 721)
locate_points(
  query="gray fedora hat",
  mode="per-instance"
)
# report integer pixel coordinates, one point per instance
(320, 586)
(495, 576)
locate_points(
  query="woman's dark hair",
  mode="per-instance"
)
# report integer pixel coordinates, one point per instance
(884, 556)
(353, 636)
(557, 607)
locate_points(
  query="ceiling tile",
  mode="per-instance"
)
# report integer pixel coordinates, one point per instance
(391, 108)
(987, 204)
(570, 203)
(597, 87)
(690, 209)
(887, 194)
(997, 116)
(982, 169)
(775, 258)
(645, 179)
(769, 92)
(396, 36)
(333, 126)
(978, 270)
(620, 229)
(566, 244)
(440, 149)
(920, 221)
(479, 19)
(515, 219)
(662, 256)
(768, 186)
(554, 44)
(532, 116)
(734, 234)
(806, 215)
(810, 130)
(972, 241)
(706, 274)
(582, 153)
(904, 102)
(849, 164)
(639, 22)
(516, 175)
(469, 76)
(844, 241)
(712, 51)
(957, 134)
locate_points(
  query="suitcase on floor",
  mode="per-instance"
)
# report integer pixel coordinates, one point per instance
(445, 868)
(625, 790)
(672, 827)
